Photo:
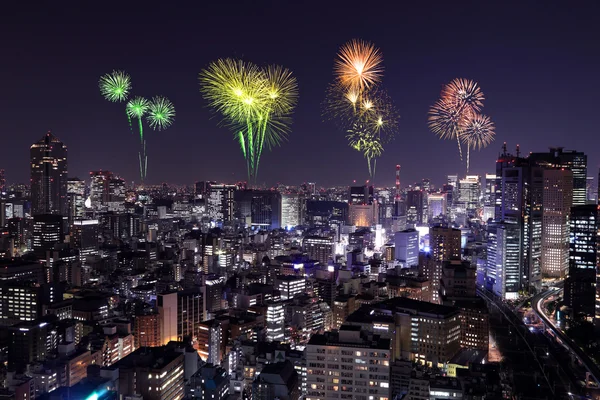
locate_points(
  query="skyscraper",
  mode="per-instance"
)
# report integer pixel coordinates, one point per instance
(75, 198)
(291, 209)
(415, 213)
(437, 205)
(48, 176)
(469, 192)
(557, 202)
(2, 182)
(220, 202)
(407, 247)
(47, 232)
(445, 245)
(504, 252)
(580, 285)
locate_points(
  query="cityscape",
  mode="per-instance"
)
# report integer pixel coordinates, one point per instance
(308, 239)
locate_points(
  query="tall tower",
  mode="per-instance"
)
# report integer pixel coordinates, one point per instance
(48, 176)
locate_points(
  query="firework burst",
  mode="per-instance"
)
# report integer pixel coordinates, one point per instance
(477, 131)
(359, 65)
(115, 86)
(256, 103)
(137, 107)
(160, 113)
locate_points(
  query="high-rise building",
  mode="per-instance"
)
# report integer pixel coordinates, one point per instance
(85, 237)
(49, 176)
(100, 187)
(360, 194)
(421, 332)
(292, 205)
(290, 286)
(220, 202)
(28, 344)
(259, 208)
(407, 247)
(2, 182)
(363, 215)
(210, 382)
(348, 360)
(444, 244)
(504, 255)
(155, 373)
(319, 248)
(146, 330)
(437, 205)
(47, 232)
(275, 321)
(469, 192)
(210, 338)
(580, 284)
(75, 198)
(575, 161)
(179, 314)
(415, 212)
(557, 203)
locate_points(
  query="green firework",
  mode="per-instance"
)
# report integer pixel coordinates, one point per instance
(115, 86)
(160, 113)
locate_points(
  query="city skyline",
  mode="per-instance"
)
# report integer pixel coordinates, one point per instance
(516, 57)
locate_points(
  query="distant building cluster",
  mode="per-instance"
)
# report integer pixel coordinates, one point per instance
(110, 290)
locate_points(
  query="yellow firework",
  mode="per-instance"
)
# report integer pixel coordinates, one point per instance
(359, 65)
(477, 131)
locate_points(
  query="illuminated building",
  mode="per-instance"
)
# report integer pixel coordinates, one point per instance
(291, 210)
(343, 306)
(156, 373)
(323, 213)
(75, 198)
(275, 321)
(23, 301)
(100, 187)
(348, 361)
(319, 248)
(146, 330)
(458, 288)
(85, 237)
(415, 211)
(49, 176)
(469, 192)
(259, 208)
(220, 202)
(179, 314)
(290, 286)
(407, 247)
(437, 205)
(504, 259)
(557, 202)
(2, 182)
(360, 194)
(363, 215)
(210, 338)
(580, 284)
(422, 332)
(47, 232)
(27, 343)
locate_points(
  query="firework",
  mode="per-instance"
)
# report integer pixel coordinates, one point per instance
(464, 94)
(477, 131)
(256, 103)
(137, 107)
(445, 119)
(160, 113)
(115, 86)
(359, 65)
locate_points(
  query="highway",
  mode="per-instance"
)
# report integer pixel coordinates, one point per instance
(537, 303)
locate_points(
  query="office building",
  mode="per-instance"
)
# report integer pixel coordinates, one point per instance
(580, 284)
(84, 234)
(422, 332)
(146, 330)
(557, 203)
(275, 321)
(210, 341)
(47, 232)
(407, 247)
(290, 286)
(259, 208)
(504, 259)
(416, 212)
(437, 205)
(179, 314)
(575, 161)
(444, 244)
(349, 362)
(469, 192)
(155, 373)
(319, 248)
(49, 173)
(75, 198)
(292, 210)
(363, 215)
(220, 202)
(100, 187)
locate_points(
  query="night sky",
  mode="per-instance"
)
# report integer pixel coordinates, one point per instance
(538, 64)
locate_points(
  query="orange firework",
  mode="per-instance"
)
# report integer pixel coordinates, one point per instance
(464, 94)
(359, 65)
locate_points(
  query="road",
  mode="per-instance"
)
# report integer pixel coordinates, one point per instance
(537, 306)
